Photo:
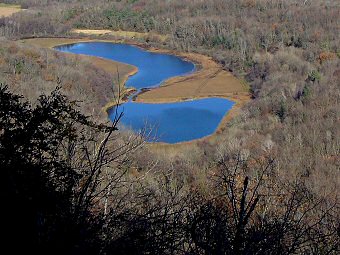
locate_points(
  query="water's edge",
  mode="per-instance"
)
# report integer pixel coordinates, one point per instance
(176, 105)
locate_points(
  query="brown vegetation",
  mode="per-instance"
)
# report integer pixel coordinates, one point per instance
(32, 71)
(119, 71)
(287, 138)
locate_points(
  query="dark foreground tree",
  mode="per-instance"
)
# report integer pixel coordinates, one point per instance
(255, 216)
(56, 171)
(38, 186)
(65, 187)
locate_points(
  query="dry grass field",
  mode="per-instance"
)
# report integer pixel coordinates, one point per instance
(8, 10)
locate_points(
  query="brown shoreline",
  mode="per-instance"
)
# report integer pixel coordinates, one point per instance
(210, 80)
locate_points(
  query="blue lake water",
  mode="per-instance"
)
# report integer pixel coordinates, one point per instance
(153, 68)
(166, 122)
(176, 122)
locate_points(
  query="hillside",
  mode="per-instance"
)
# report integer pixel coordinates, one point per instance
(266, 182)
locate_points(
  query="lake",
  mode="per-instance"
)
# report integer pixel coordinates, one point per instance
(153, 68)
(166, 122)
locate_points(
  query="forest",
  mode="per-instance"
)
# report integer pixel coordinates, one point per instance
(268, 184)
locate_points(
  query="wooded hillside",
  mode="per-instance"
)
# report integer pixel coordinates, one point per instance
(267, 184)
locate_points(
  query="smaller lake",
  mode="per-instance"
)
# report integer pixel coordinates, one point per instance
(175, 122)
(153, 68)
